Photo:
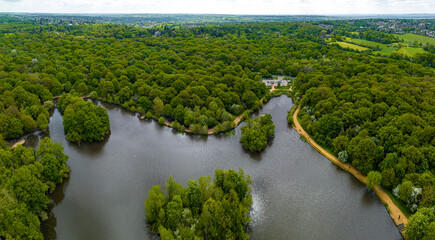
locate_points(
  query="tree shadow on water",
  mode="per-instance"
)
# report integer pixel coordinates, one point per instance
(48, 227)
(369, 198)
(94, 148)
(197, 137)
(257, 156)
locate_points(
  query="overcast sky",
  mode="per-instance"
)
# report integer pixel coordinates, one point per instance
(327, 7)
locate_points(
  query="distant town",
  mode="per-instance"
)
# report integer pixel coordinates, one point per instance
(398, 24)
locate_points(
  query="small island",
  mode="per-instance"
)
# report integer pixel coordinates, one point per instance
(82, 120)
(203, 210)
(257, 133)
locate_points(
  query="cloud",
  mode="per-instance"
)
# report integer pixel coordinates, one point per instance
(288, 7)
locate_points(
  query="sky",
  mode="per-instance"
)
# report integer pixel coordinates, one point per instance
(284, 7)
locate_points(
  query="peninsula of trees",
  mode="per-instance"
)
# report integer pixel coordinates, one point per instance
(26, 177)
(206, 209)
(82, 120)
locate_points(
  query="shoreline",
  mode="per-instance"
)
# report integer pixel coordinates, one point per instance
(20, 142)
(236, 120)
(392, 209)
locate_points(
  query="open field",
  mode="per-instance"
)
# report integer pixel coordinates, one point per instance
(386, 51)
(368, 43)
(410, 38)
(410, 51)
(351, 46)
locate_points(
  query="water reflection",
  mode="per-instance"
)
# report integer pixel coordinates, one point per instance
(48, 227)
(92, 149)
(297, 193)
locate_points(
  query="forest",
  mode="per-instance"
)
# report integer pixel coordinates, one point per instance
(27, 176)
(206, 209)
(376, 113)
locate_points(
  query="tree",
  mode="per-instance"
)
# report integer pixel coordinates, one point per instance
(16, 222)
(343, 156)
(29, 189)
(158, 107)
(249, 99)
(165, 234)
(204, 210)
(124, 94)
(430, 232)
(193, 196)
(83, 121)
(405, 190)
(15, 128)
(42, 122)
(153, 205)
(173, 213)
(340, 143)
(328, 126)
(28, 123)
(362, 150)
(418, 225)
(257, 133)
(161, 120)
(388, 176)
(374, 179)
(145, 103)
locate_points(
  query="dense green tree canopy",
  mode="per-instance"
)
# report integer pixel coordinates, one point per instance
(373, 179)
(82, 120)
(376, 113)
(421, 225)
(26, 177)
(257, 133)
(203, 210)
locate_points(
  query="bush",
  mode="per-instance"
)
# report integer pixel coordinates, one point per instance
(161, 121)
(149, 115)
(343, 156)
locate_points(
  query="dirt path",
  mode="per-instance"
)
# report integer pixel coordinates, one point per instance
(395, 212)
(238, 119)
(272, 88)
(21, 142)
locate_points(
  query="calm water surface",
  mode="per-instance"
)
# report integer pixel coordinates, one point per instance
(297, 192)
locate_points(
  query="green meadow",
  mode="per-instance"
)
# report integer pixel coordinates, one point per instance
(351, 46)
(410, 51)
(410, 38)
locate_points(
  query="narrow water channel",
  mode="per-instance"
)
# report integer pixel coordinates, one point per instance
(297, 192)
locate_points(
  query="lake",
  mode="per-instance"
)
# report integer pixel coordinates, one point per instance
(297, 192)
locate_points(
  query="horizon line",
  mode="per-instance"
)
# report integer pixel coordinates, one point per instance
(234, 14)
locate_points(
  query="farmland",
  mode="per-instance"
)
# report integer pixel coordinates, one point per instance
(351, 46)
(412, 38)
(410, 51)
(367, 43)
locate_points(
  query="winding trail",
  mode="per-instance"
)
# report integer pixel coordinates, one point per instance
(394, 211)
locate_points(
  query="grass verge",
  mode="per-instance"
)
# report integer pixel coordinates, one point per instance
(399, 203)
